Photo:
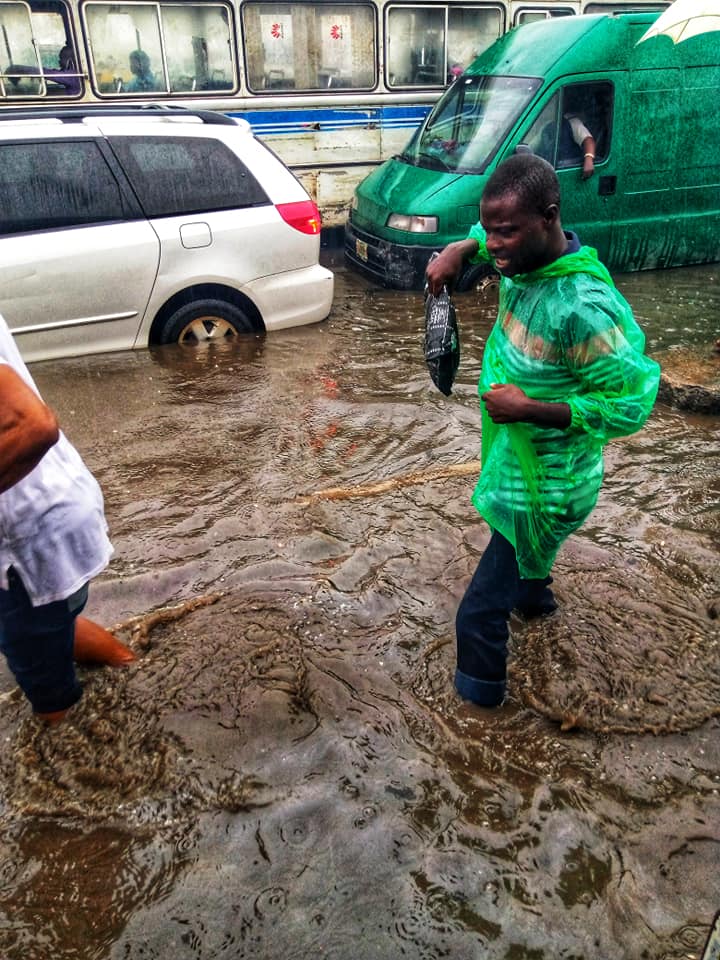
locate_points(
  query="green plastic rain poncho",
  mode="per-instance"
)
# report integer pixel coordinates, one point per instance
(564, 334)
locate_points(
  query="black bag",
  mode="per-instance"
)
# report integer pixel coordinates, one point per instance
(442, 340)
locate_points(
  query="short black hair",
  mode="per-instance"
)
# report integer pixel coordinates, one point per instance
(527, 177)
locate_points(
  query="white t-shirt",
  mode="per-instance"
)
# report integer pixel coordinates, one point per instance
(52, 524)
(579, 131)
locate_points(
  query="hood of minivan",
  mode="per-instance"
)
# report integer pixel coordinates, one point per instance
(399, 187)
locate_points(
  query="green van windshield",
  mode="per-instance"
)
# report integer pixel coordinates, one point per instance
(468, 124)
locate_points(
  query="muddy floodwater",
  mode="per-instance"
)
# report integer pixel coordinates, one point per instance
(286, 773)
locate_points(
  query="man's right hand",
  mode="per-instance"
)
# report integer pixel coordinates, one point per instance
(444, 269)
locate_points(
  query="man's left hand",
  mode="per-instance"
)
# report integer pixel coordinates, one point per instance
(506, 403)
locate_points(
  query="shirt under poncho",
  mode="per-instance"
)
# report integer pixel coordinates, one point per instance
(563, 334)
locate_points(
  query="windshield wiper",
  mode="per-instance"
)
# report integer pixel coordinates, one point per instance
(432, 162)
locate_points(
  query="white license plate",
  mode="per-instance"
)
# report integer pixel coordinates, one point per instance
(361, 249)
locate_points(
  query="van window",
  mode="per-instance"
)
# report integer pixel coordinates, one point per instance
(573, 113)
(180, 175)
(46, 185)
(468, 124)
(310, 46)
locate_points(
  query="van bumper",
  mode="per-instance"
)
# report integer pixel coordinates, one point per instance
(388, 264)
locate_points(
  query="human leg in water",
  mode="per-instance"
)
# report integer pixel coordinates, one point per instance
(495, 590)
(92, 644)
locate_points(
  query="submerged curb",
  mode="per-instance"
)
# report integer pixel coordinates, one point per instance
(690, 383)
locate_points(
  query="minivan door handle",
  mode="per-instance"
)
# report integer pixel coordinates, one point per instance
(606, 186)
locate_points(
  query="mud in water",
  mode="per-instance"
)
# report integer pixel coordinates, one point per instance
(285, 771)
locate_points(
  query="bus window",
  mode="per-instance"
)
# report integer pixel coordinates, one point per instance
(416, 46)
(37, 58)
(431, 46)
(198, 47)
(18, 57)
(611, 7)
(541, 13)
(470, 31)
(125, 48)
(309, 46)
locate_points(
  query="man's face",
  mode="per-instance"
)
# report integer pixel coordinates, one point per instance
(518, 241)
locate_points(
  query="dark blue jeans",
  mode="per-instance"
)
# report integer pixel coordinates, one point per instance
(38, 645)
(481, 625)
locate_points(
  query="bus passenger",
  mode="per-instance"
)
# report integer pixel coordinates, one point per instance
(64, 75)
(143, 78)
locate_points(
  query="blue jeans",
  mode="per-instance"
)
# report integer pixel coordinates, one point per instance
(481, 624)
(38, 645)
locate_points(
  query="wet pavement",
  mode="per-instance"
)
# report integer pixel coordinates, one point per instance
(286, 773)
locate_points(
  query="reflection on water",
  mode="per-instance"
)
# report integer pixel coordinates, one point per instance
(286, 772)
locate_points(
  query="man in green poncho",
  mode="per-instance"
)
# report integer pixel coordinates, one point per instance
(563, 372)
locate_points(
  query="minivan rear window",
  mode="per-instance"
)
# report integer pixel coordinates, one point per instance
(180, 175)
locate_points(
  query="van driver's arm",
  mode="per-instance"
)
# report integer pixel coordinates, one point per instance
(588, 149)
(28, 428)
(585, 140)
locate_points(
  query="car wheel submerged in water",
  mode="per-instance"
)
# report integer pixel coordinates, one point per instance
(205, 320)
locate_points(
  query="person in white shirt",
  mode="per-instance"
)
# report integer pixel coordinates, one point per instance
(53, 541)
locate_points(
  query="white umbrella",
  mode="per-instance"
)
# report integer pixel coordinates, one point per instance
(684, 19)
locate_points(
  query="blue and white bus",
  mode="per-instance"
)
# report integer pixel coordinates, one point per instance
(333, 86)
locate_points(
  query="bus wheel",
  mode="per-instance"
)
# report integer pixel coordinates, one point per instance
(205, 321)
(482, 279)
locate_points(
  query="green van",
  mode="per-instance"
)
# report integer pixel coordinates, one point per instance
(653, 199)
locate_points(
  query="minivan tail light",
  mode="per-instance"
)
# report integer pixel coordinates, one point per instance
(302, 215)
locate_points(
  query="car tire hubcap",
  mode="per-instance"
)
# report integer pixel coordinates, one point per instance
(202, 329)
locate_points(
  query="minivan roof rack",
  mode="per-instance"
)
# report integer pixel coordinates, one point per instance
(78, 111)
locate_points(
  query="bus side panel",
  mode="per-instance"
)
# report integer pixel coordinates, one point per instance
(698, 171)
(650, 206)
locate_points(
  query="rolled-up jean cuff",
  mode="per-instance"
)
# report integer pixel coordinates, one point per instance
(60, 700)
(486, 693)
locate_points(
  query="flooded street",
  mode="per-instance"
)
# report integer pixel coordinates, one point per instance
(286, 772)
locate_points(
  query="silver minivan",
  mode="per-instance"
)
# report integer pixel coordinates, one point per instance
(123, 227)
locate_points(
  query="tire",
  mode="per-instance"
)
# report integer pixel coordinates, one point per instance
(205, 321)
(481, 278)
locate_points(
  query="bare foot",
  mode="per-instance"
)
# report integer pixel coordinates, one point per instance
(52, 718)
(95, 644)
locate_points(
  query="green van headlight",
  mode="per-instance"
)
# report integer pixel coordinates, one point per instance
(412, 224)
